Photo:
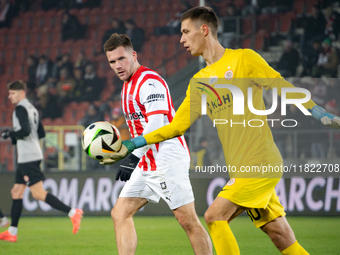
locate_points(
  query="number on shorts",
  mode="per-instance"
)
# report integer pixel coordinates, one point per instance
(251, 215)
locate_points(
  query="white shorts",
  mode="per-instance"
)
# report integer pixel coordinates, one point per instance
(172, 184)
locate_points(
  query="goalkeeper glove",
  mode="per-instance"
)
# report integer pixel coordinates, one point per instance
(126, 168)
(127, 147)
(5, 134)
(326, 118)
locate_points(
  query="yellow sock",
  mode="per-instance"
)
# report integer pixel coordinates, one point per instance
(294, 249)
(223, 239)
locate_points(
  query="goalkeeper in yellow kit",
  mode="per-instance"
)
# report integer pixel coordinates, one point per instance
(243, 145)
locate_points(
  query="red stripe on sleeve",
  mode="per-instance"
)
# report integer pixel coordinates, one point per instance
(157, 112)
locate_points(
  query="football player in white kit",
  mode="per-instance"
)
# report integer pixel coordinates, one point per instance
(155, 171)
(26, 133)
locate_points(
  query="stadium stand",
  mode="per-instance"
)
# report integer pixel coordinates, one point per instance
(37, 33)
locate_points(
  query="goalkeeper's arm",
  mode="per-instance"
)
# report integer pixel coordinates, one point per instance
(180, 123)
(155, 121)
(326, 118)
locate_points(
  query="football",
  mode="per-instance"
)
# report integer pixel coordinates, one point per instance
(100, 139)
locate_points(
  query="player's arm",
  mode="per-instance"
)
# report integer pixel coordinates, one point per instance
(129, 164)
(178, 126)
(41, 130)
(155, 109)
(180, 123)
(25, 129)
(182, 120)
(326, 118)
(266, 76)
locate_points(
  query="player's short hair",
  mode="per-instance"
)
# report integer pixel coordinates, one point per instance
(17, 85)
(116, 41)
(203, 14)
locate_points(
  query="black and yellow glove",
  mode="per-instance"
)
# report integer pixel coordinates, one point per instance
(126, 168)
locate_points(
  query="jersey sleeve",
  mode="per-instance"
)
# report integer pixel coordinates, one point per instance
(257, 67)
(264, 75)
(194, 98)
(25, 129)
(155, 121)
(41, 130)
(153, 95)
(180, 123)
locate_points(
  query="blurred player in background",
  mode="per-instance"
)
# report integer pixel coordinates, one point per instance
(242, 146)
(157, 171)
(28, 129)
(3, 220)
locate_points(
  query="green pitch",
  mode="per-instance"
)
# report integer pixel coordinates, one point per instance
(159, 235)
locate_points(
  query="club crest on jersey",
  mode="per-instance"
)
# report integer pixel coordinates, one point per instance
(163, 185)
(231, 182)
(130, 97)
(229, 75)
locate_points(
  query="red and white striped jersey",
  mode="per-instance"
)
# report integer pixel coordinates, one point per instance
(145, 94)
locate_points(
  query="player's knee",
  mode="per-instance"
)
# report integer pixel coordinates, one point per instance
(186, 224)
(16, 193)
(13, 193)
(187, 220)
(114, 214)
(209, 216)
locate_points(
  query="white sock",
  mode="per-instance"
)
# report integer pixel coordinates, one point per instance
(71, 212)
(13, 230)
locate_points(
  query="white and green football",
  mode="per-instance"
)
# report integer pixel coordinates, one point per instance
(100, 139)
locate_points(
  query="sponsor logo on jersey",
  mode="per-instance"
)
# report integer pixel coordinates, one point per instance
(217, 102)
(155, 97)
(136, 116)
(210, 91)
(231, 182)
(226, 100)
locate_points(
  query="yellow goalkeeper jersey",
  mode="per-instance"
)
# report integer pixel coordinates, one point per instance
(246, 138)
